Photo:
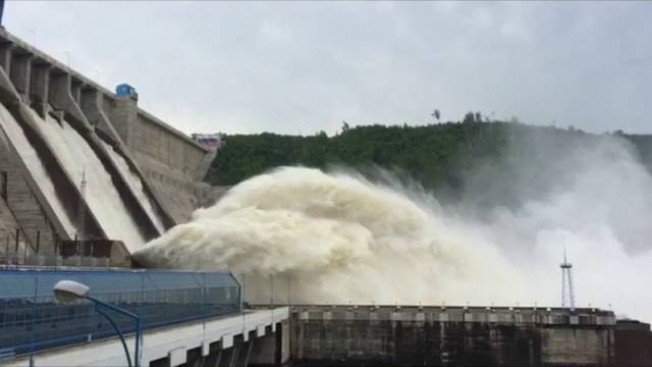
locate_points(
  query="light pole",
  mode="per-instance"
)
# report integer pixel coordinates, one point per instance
(69, 290)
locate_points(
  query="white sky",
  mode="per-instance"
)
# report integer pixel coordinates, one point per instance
(304, 67)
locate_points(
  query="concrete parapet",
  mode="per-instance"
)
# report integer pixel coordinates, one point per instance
(525, 315)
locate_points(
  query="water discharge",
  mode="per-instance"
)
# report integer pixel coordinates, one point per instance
(334, 238)
(28, 154)
(81, 163)
(136, 184)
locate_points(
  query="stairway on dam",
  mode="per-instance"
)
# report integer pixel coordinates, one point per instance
(78, 162)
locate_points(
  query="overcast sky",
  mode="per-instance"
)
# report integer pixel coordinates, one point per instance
(304, 67)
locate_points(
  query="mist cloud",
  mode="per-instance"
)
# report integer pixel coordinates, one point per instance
(336, 237)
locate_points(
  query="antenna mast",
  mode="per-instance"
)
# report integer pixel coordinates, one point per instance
(567, 291)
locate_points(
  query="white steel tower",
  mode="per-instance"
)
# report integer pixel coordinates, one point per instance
(567, 291)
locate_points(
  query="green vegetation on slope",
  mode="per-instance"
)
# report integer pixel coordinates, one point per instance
(439, 157)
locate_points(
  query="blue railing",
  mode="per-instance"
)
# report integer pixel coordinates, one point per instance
(31, 319)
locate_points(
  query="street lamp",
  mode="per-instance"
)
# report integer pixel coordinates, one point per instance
(68, 291)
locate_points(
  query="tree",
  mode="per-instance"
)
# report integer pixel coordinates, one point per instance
(438, 156)
(469, 118)
(436, 115)
(478, 117)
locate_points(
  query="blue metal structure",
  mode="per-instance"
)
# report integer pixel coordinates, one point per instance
(31, 319)
(126, 90)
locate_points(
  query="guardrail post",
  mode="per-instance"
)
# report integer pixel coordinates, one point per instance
(202, 305)
(33, 323)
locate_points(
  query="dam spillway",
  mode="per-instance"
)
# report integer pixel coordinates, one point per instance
(85, 168)
(82, 163)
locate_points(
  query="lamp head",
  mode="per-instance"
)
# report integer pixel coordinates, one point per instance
(69, 290)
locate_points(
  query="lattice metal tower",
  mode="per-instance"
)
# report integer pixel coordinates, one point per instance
(567, 291)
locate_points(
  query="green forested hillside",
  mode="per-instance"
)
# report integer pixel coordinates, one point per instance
(430, 153)
(438, 156)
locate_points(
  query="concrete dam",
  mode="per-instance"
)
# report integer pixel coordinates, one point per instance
(87, 178)
(79, 162)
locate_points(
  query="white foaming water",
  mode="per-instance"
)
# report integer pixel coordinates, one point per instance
(136, 185)
(601, 215)
(79, 160)
(336, 238)
(30, 157)
(332, 238)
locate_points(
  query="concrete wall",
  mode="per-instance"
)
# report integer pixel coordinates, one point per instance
(633, 343)
(267, 346)
(178, 193)
(146, 135)
(155, 140)
(577, 346)
(451, 336)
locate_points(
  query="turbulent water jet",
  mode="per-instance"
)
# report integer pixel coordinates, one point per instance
(332, 237)
(335, 237)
